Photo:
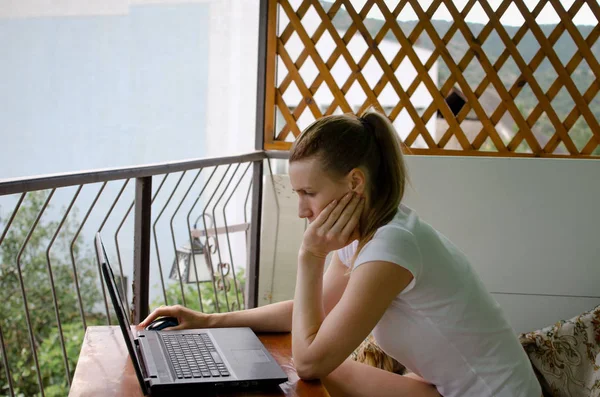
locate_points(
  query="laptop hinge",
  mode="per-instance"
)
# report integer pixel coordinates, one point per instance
(144, 371)
(141, 358)
(149, 371)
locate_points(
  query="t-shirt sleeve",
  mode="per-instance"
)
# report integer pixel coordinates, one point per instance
(345, 254)
(395, 245)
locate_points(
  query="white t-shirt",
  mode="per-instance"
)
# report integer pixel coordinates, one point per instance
(444, 326)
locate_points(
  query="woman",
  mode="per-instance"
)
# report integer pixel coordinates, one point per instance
(391, 274)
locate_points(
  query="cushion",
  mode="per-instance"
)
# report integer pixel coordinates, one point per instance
(369, 353)
(566, 356)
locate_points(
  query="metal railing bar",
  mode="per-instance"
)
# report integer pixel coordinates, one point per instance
(85, 218)
(98, 257)
(81, 313)
(54, 298)
(221, 264)
(237, 297)
(242, 227)
(5, 360)
(278, 154)
(24, 294)
(12, 217)
(20, 185)
(255, 224)
(110, 210)
(156, 240)
(158, 188)
(276, 225)
(141, 247)
(128, 309)
(112, 207)
(247, 236)
(4, 356)
(162, 280)
(173, 234)
(217, 306)
(195, 225)
(246, 207)
(160, 272)
(119, 229)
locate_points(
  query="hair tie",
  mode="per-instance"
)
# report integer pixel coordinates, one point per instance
(366, 125)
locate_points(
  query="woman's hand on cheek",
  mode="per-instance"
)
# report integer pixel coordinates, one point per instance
(335, 227)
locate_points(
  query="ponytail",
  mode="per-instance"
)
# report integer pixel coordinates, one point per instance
(388, 180)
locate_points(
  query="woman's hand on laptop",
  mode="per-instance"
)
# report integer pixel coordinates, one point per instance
(186, 318)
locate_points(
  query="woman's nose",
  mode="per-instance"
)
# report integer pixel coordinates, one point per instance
(304, 211)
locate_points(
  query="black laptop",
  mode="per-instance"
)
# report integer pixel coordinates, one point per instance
(193, 360)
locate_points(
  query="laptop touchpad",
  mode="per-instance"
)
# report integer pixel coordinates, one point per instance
(250, 356)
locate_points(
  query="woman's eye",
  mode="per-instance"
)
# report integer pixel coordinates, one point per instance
(310, 194)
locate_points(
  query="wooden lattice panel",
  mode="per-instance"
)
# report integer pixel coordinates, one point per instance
(450, 88)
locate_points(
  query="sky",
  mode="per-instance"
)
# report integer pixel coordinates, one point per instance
(511, 17)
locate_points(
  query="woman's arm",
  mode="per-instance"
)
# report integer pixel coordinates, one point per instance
(276, 317)
(319, 344)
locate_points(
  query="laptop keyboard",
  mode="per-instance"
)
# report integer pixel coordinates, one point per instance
(194, 356)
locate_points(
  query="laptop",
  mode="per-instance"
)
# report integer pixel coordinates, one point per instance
(192, 360)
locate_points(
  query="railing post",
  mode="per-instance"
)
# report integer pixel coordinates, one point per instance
(255, 229)
(141, 247)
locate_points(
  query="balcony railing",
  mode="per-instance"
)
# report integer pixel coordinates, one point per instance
(182, 232)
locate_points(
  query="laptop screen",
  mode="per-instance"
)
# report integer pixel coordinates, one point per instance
(111, 284)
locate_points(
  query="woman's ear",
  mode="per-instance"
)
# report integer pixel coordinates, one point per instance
(357, 181)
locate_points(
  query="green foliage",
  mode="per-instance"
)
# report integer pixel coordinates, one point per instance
(33, 262)
(209, 304)
(51, 355)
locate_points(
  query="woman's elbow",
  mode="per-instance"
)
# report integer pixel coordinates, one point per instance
(310, 371)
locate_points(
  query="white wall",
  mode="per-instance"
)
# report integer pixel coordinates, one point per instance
(232, 77)
(529, 227)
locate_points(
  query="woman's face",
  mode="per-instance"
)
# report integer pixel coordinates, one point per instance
(315, 187)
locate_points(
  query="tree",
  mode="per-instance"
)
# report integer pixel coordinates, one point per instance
(38, 291)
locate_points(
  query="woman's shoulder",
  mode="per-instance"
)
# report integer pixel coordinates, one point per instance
(394, 242)
(404, 223)
(397, 234)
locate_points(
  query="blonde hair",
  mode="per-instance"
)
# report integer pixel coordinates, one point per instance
(344, 142)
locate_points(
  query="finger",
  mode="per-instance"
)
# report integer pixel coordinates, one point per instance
(354, 220)
(335, 214)
(158, 312)
(175, 328)
(322, 217)
(345, 215)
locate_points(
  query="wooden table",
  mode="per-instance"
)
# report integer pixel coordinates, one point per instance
(104, 368)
